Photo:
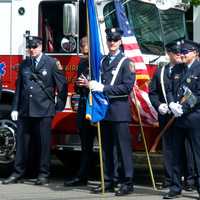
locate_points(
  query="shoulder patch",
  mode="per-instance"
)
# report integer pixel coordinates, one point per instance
(59, 66)
(132, 66)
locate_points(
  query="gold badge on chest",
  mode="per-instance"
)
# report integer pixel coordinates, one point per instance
(188, 80)
(44, 72)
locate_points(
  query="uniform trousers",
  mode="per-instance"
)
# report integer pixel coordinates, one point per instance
(180, 135)
(117, 152)
(187, 166)
(87, 134)
(38, 129)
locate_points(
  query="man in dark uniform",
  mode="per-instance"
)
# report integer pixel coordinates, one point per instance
(86, 131)
(116, 138)
(34, 106)
(157, 95)
(183, 97)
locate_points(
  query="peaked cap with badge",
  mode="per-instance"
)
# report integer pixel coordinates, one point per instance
(113, 33)
(174, 46)
(189, 45)
(33, 41)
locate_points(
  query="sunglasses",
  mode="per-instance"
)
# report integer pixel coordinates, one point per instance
(186, 51)
(113, 39)
(32, 46)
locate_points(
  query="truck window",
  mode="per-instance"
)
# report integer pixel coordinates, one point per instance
(153, 27)
(51, 26)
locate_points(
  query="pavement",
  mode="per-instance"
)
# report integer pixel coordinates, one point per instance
(56, 191)
(143, 189)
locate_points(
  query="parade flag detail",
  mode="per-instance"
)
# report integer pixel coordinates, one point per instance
(132, 51)
(97, 103)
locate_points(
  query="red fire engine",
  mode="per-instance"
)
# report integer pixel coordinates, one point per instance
(62, 23)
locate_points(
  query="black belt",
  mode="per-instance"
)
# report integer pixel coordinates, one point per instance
(118, 97)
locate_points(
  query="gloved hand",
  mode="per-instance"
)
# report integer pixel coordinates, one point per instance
(14, 115)
(176, 109)
(96, 86)
(163, 109)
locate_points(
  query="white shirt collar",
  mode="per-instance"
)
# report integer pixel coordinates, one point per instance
(190, 64)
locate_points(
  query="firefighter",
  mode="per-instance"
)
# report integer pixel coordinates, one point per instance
(116, 139)
(34, 107)
(157, 95)
(183, 98)
(86, 131)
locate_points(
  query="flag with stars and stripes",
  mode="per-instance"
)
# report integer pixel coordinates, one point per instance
(132, 51)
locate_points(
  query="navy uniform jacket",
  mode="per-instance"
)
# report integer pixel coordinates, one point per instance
(83, 68)
(30, 99)
(156, 94)
(119, 109)
(190, 78)
(155, 89)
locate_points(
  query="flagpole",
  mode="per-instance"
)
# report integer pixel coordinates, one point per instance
(98, 123)
(144, 140)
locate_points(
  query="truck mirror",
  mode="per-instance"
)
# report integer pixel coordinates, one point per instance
(68, 44)
(70, 21)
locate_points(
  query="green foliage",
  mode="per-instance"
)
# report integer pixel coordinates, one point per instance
(194, 2)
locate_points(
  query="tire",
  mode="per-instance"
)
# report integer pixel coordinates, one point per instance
(7, 137)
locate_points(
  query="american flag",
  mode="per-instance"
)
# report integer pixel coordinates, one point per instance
(132, 51)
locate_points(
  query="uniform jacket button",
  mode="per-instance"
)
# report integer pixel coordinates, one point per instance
(30, 95)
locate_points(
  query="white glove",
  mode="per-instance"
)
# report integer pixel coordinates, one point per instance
(176, 109)
(96, 86)
(163, 109)
(14, 115)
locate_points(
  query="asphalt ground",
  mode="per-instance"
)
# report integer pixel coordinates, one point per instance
(55, 190)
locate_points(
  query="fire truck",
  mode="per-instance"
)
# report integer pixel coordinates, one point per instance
(62, 23)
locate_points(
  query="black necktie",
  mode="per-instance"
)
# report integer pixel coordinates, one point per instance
(34, 62)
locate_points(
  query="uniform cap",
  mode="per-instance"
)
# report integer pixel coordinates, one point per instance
(174, 46)
(113, 34)
(189, 45)
(33, 41)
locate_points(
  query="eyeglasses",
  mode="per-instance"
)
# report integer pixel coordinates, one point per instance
(113, 39)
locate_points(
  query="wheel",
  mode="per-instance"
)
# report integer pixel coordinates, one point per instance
(7, 141)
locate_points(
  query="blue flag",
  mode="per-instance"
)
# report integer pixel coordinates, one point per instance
(2, 69)
(97, 103)
(94, 41)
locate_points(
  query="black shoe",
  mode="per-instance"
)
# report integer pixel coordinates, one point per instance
(42, 181)
(12, 179)
(77, 181)
(108, 188)
(172, 195)
(124, 189)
